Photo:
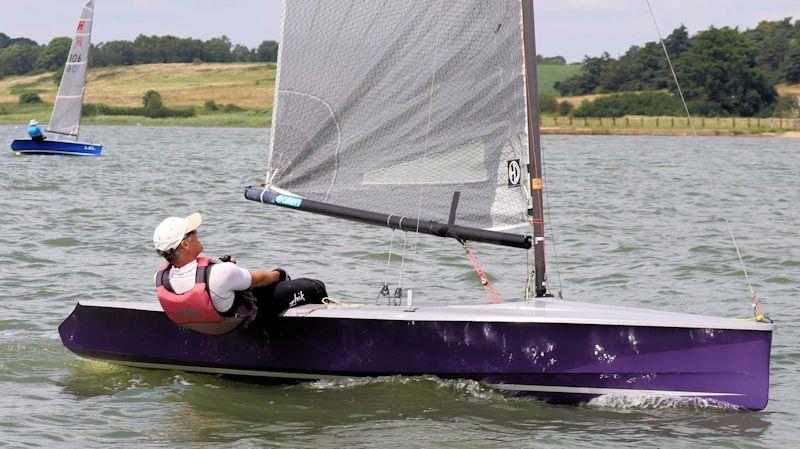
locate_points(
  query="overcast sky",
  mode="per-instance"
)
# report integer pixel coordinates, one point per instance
(571, 28)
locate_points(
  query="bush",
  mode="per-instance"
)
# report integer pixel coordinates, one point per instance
(57, 75)
(647, 103)
(565, 108)
(211, 105)
(30, 98)
(548, 103)
(231, 108)
(197, 61)
(786, 106)
(93, 109)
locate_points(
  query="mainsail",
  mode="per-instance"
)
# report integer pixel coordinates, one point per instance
(66, 118)
(393, 106)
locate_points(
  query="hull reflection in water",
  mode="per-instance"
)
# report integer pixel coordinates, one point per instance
(547, 350)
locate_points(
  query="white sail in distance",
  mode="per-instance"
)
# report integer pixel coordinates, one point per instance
(66, 118)
(393, 106)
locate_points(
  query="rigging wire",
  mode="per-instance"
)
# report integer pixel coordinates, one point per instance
(427, 137)
(753, 294)
(550, 224)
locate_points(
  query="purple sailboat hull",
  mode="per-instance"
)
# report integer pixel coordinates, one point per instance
(565, 362)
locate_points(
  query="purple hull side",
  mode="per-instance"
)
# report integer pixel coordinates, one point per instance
(567, 363)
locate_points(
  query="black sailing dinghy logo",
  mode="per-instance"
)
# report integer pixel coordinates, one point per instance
(514, 173)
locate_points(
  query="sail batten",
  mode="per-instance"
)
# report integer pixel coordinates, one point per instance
(66, 118)
(392, 107)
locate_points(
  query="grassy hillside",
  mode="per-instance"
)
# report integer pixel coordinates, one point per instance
(549, 74)
(248, 86)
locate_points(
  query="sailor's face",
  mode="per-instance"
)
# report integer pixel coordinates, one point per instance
(192, 243)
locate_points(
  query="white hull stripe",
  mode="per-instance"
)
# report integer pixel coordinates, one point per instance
(600, 391)
(508, 387)
(242, 372)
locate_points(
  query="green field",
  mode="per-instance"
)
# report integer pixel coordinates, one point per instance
(549, 74)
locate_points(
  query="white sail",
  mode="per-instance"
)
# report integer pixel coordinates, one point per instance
(392, 107)
(66, 118)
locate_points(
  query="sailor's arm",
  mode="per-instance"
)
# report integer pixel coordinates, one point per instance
(264, 278)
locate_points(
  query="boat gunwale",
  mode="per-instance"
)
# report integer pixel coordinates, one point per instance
(484, 313)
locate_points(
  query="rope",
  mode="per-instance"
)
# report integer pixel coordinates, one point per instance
(494, 298)
(385, 289)
(329, 302)
(398, 292)
(754, 296)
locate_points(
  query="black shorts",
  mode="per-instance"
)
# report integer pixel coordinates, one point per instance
(274, 299)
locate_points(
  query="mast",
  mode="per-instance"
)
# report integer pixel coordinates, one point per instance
(534, 145)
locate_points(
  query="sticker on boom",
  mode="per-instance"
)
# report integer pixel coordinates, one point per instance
(290, 201)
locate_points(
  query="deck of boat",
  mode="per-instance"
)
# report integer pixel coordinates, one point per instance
(544, 310)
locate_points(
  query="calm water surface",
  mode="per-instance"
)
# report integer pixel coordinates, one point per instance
(638, 222)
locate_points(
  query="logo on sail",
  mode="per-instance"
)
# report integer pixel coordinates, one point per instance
(514, 173)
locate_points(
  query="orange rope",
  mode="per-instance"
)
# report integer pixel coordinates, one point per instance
(494, 298)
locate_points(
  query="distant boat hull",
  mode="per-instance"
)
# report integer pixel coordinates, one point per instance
(562, 362)
(55, 147)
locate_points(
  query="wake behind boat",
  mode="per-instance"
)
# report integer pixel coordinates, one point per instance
(65, 121)
(426, 121)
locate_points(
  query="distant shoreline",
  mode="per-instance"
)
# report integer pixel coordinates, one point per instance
(665, 132)
(221, 121)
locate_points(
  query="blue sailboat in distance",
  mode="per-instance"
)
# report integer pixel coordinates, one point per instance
(66, 119)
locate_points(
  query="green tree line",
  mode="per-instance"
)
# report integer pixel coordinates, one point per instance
(22, 56)
(723, 71)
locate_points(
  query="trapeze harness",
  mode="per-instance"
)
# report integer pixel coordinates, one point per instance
(194, 309)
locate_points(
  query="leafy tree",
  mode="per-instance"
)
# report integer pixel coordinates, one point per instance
(241, 53)
(18, 59)
(217, 49)
(791, 65)
(772, 40)
(720, 74)
(678, 41)
(153, 105)
(588, 80)
(267, 51)
(54, 55)
(6, 41)
(114, 53)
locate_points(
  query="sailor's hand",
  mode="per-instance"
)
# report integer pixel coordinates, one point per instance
(283, 274)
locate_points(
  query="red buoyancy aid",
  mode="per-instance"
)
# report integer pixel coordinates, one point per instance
(194, 306)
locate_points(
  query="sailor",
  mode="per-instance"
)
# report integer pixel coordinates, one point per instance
(34, 131)
(220, 293)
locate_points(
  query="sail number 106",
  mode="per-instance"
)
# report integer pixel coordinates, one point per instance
(74, 58)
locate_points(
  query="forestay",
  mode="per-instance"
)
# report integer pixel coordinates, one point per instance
(66, 118)
(392, 106)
